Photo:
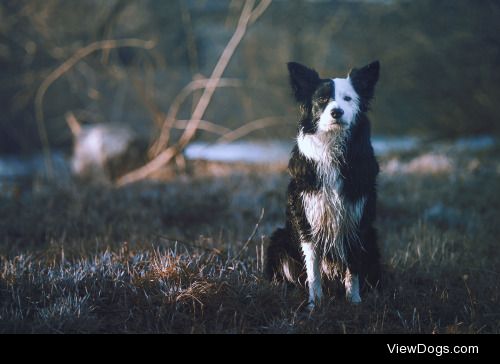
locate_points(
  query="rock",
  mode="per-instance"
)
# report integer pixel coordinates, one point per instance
(103, 152)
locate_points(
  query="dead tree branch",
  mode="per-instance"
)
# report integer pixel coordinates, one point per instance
(169, 120)
(61, 70)
(166, 156)
(204, 125)
(249, 127)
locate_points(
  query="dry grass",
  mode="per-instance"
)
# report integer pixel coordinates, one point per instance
(80, 258)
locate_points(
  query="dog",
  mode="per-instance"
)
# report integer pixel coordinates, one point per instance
(331, 197)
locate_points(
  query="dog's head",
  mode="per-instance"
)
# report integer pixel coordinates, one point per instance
(331, 104)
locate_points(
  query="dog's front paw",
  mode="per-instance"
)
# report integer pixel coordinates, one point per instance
(314, 303)
(352, 288)
(311, 306)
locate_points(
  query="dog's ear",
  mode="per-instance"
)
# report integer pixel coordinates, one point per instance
(364, 79)
(303, 81)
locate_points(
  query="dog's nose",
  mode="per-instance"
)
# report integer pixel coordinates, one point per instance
(337, 113)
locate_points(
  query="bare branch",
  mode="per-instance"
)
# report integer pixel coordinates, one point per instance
(259, 10)
(221, 65)
(165, 156)
(61, 70)
(250, 127)
(251, 235)
(169, 121)
(204, 125)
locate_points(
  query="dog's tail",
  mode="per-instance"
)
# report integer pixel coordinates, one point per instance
(283, 260)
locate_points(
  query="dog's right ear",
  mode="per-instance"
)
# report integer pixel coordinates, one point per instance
(303, 81)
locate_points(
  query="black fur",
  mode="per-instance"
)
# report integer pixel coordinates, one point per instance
(358, 170)
(364, 81)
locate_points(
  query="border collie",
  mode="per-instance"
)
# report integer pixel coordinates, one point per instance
(332, 192)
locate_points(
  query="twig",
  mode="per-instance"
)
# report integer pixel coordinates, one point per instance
(221, 65)
(165, 156)
(190, 38)
(61, 70)
(251, 235)
(232, 8)
(250, 127)
(204, 125)
(169, 120)
(159, 117)
(108, 22)
(259, 10)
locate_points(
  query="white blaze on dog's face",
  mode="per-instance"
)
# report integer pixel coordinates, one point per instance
(342, 106)
(329, 108)
(327, 105)
(334, 106)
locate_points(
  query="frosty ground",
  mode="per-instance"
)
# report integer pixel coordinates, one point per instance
(184, 254)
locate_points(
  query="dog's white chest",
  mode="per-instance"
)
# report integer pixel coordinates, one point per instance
(334, 221)
(323, 208)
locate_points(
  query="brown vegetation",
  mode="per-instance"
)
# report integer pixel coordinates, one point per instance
(175, 256)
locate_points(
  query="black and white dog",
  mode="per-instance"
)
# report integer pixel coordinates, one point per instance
(332, 193)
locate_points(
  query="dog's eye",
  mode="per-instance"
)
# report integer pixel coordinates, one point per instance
(323, 100)
(347, 98)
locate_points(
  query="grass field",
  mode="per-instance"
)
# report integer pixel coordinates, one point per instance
(185, 255)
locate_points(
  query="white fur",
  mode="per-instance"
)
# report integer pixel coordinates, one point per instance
(287, 272)
(332, 218)
(313, 273)
(351, 283)
(325, 148)
(343, 88)
(311, 146)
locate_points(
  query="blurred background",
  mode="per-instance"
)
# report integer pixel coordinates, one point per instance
(183, 251)
(439, 63)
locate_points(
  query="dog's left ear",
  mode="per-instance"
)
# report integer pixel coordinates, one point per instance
(364, 79)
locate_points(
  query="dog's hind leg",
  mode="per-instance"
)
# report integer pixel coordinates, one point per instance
(283, 262)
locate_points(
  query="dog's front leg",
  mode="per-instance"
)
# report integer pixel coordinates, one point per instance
(312, 263)
(351, 282)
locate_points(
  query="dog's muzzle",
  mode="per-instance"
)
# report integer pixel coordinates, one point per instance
(337, 113)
